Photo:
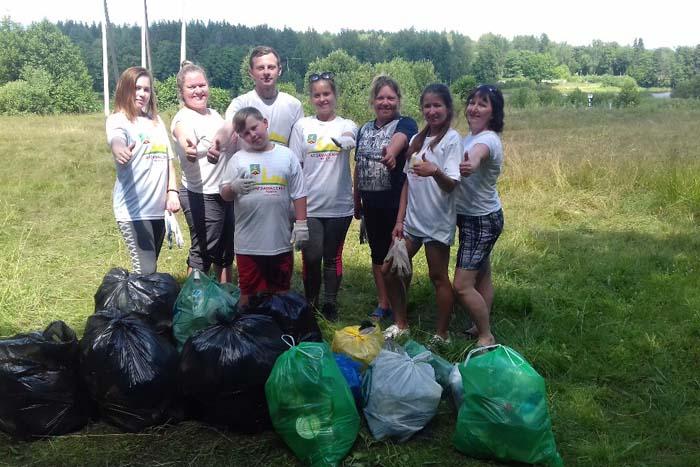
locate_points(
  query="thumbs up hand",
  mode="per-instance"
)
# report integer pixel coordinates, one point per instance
(122, 153)
(214, 151)
(425, 168)
(466, 167)
(191, 150)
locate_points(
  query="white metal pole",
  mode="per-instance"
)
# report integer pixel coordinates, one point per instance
(143, 36)
(105, 76)
(183, 35)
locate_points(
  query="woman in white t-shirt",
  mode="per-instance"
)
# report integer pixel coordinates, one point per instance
(323, 144)
(145, 185)
(479, 213)
(209, 217)
(427, 209)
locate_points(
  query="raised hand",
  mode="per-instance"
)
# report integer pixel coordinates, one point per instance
(425, 168)
(123, 154)
(191, 150)
(214, 151)
(389, 160)
(466, 168)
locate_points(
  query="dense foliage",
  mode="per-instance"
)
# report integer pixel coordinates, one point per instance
(65, 63)
(220, 48)
(42, 71)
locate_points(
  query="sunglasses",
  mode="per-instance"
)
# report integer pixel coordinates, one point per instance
(325, 75)
(487, 87)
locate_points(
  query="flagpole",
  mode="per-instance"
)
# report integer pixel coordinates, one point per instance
(105, 76)
(183, 35)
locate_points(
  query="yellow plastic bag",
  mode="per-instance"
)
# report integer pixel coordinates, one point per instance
(360, 345)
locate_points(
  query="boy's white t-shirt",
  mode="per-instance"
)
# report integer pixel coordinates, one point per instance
(326, 167)
(200, 176)
(281, 113)
(431, 211)
(262, 216)
(140, 189)
(477, 194)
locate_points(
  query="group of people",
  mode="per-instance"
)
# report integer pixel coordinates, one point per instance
(265, 179)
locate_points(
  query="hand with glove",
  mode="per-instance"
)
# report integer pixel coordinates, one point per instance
(397, 260)
(300, 234)
(344, 142)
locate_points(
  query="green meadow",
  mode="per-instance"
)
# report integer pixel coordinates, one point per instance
(596, 277)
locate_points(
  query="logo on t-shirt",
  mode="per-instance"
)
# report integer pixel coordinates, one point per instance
(254, 169)
(311, 139)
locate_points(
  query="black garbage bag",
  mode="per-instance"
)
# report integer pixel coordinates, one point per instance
(150, 296)
(130, 370)
(40, 391)
(292, 313)
(223, 370)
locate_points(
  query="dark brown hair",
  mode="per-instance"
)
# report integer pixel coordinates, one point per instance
(443, 92)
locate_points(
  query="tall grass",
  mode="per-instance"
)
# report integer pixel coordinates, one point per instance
(596, 284)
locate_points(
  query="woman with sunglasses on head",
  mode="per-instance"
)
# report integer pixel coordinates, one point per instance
(379, 161)
(145, 185)
(209, 217)
(479, 213)
(323, 143)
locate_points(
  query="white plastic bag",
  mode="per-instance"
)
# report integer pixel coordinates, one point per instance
(400, 393)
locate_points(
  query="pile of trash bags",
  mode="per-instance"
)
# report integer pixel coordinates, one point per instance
(40, 391)
(154, 354)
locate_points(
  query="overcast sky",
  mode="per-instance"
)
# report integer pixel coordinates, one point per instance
(666, 24)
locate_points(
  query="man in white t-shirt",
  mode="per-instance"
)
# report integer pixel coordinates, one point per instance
(280, 109)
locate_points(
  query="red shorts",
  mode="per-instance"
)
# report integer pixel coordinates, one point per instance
(264, 273)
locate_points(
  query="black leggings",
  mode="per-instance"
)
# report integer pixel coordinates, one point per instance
(379, 223)
(143, 240)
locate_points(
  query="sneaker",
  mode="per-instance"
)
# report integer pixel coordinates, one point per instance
(380, 313)
(330, 312)
(438, 342)
(394, 332)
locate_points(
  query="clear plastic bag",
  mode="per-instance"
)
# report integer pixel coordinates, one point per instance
(400, 394)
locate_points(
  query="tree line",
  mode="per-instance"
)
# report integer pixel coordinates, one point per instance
(219, 47)
(50, 68)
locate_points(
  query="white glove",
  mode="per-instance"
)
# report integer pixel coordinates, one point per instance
(344, 142)
(398, 255)
(172, 231)
(300, 234)
(242, 186)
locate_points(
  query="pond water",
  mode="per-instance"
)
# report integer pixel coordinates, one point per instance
(661, 95)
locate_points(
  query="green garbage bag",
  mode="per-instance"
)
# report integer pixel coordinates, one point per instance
(441, 366)
(504, 411)
(200, 301)
(311, 405)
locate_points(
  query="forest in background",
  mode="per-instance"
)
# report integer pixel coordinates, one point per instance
(52, 68)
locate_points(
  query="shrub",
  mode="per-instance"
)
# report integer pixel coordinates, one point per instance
(549, 97)
(219, 99)
(462, 87)
(688, 89)
(628, 96)
(578, 98)
(30, 94)
(166, 93)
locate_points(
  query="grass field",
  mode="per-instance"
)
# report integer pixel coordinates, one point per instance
(597, 279)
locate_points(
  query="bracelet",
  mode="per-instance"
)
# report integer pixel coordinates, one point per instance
(171, 189)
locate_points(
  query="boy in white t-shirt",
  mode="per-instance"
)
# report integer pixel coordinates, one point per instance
(280, 109)
(261, 180)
